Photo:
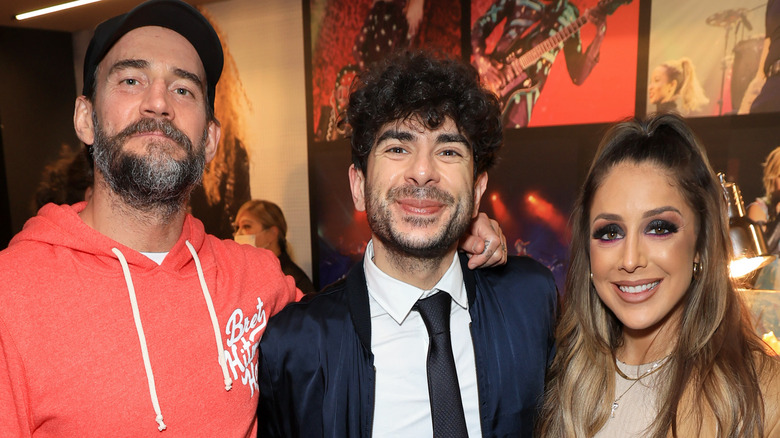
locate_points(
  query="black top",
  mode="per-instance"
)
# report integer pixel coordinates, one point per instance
(772, 32)
(302, 281)
(667, 107)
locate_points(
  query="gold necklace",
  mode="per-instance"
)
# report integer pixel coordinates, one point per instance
(654, 368)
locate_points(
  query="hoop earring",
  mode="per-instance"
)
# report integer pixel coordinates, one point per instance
(696, 270)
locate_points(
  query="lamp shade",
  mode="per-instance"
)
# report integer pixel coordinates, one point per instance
(747, 238)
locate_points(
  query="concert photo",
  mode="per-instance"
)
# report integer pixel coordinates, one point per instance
(348, 36)
(557, 62)
(705, 56)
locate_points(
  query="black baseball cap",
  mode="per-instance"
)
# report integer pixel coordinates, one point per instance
(176, 15)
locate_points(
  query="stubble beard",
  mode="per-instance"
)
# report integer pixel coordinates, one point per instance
(154, 182)
(417, 253)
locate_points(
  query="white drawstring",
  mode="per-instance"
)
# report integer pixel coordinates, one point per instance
(213, 314)
(141, 338)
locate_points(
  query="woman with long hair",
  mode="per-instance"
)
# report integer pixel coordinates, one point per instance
(674, 87)
(764, 210)
(654, 340)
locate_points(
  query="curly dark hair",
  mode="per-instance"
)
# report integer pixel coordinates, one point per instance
(430, 87)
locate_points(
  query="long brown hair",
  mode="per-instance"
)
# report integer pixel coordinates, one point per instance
(230, 104)
(717, 354)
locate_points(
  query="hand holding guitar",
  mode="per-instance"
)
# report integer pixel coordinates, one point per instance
(509, 76)
(597, 16)
(490, 72)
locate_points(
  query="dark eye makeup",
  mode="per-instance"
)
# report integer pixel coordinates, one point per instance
(613, 231)
(661, 227)
(608, 232)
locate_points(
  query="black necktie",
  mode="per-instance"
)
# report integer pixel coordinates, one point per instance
(446, 404)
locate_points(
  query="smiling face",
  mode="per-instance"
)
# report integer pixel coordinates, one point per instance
(418, 190)
(642, 246)
(660, 89)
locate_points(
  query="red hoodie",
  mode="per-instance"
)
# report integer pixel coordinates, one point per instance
(72, 359)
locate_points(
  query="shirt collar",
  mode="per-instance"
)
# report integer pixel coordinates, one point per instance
(397, 298)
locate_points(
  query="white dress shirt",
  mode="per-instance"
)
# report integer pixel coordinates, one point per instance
(399, 341)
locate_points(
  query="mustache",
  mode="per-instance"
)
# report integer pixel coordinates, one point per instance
(148, 125)
(417, 192)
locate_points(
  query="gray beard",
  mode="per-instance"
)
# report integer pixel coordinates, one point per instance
(154, 182)
(402, 247)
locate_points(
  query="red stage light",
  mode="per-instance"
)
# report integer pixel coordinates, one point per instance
(500, 210)
(547, 212)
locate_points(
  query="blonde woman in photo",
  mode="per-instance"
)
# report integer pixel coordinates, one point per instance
(674, 87)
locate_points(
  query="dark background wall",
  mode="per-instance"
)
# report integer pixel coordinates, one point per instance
(37, 95)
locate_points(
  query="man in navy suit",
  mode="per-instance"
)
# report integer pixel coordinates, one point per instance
(355, 360)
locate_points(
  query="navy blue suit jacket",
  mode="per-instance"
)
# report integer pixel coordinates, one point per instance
(316, 369)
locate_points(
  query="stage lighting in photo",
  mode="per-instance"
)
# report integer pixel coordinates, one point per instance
(546, 211)
(499, 209)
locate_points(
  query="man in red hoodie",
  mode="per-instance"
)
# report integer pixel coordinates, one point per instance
(121, 316)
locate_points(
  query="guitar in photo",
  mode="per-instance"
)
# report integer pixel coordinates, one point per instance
(532, 35)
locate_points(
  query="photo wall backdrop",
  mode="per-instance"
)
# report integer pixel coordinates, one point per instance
(347, 36)
(565, 71)
(714, 46)
(558, 62)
